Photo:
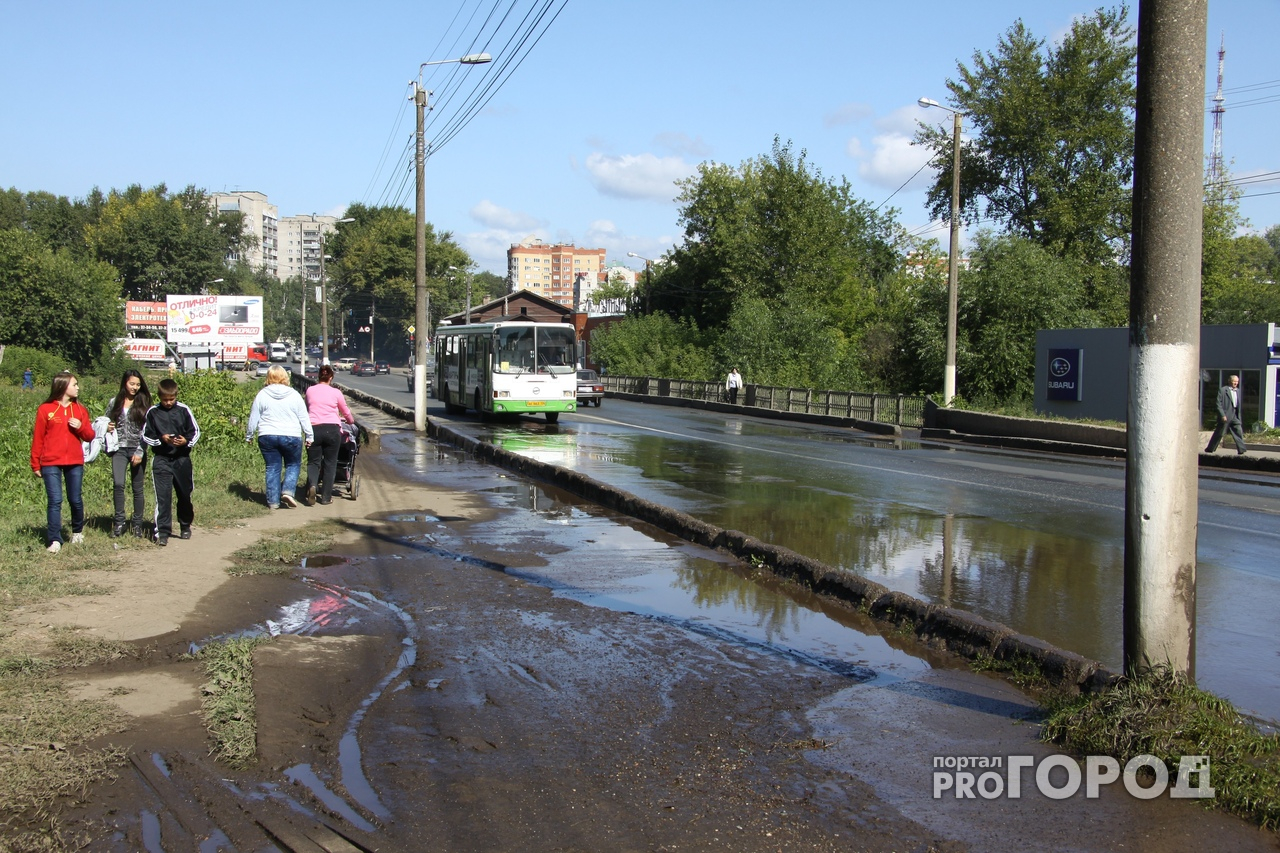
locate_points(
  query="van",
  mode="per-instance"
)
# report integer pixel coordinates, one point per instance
(279, 352)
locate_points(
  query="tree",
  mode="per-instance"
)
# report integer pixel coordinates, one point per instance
(655, 345)
(162, 243)
(1237, 271)
(1050, 154)
(55, 302)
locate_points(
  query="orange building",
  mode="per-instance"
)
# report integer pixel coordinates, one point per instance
(553, 271)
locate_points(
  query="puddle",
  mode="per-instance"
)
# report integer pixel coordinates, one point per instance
(322, 561)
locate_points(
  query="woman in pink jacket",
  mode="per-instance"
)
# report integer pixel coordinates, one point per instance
(325, 405)
(57, 454)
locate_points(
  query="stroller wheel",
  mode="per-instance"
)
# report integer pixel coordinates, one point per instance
(355, 487)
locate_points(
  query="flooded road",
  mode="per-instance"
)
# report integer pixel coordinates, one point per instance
(1033, 541)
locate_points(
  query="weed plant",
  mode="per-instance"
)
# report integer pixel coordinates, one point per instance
(279, 552)
(230, 713)
(1164, 715)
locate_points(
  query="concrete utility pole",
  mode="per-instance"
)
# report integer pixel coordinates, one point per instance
(1164, 338)
(421, 297)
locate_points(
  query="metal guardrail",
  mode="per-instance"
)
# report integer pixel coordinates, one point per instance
(897, 409)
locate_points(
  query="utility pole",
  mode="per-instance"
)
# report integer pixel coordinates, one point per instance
(1164, 339)
(422, 303)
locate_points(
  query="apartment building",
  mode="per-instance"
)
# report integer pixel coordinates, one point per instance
(553, 270)
(260, 220)
(300, 241)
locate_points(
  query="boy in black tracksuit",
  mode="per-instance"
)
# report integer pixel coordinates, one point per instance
(170, 430)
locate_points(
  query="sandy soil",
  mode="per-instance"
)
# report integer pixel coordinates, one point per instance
(442, 704)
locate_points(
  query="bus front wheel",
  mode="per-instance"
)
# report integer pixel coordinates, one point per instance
(552, 417)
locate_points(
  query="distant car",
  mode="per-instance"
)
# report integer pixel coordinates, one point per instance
(364, 368)
(313, 370)
(263, 367)
(590, 389)
(345, 363)
(381, 367)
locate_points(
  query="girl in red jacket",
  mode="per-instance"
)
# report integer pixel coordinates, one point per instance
(56, 453)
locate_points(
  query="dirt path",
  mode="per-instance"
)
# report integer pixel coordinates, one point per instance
(436, 702)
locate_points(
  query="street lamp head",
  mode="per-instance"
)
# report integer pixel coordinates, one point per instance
(348, 219)
(476, 59)
(217, 281)
(928, 102)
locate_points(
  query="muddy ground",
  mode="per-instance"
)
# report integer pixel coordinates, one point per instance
(429, 700)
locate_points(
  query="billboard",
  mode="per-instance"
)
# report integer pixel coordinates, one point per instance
(1066, 370)
(144, 349)
(145, 316)
(212, 320)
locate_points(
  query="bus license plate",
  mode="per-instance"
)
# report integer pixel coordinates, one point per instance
(536, 403)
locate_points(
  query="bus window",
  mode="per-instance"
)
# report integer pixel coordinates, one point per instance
(514, 350)
(555, 350)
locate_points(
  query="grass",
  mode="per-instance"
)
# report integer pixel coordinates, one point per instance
(1164, 715)
(44, 732)
(279, 552)
(230, 713)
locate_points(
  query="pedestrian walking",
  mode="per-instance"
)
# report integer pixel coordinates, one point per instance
(326, 407)
(1228, 416)
(280, 418)
(57, 456)
(126, 414)
(732, 384)
(28, 380)
(171, 431)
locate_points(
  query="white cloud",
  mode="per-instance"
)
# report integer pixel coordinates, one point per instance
(637, 175)
(903, 119)
(889, 160)
(495, 216)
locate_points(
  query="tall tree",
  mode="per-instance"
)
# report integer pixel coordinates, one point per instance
(56, 302)
(162, 243)
(1051, 135)
(1237, 271)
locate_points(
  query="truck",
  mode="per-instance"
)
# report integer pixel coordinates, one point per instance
(255, 353)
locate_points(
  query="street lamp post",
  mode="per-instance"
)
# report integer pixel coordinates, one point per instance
(953, 256)
(324, 304)
(648, 284)
(422, 305)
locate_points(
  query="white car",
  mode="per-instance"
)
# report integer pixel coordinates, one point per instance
(345, 363)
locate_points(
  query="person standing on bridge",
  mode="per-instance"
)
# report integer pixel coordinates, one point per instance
(732, 384)
(1228, 416)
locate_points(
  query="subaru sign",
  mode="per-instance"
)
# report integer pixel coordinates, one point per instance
(1065, 369)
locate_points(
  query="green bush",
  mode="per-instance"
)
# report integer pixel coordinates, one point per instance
(43, 365)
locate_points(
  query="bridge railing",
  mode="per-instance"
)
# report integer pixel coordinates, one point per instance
(900, 409)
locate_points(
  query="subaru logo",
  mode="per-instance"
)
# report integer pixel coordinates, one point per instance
(1059, 367)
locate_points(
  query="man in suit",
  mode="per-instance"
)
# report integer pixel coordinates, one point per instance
(1228, 416)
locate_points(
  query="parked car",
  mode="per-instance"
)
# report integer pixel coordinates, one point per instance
(364, 368)
(590, 389)
(382, 367)
(345, 363)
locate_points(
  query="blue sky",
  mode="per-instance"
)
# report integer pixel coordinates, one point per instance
(308, 103)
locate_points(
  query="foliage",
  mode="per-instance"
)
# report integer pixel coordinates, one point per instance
(220, 403)
(164, 243)
(1237, 272)
(44, 366)
(55, 302)
(1050, 153)
(57, 221)
(654, 345)
(1163, 714)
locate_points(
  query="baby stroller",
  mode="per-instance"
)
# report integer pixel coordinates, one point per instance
(347, 453)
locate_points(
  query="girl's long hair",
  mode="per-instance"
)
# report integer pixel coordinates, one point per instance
(59, 387)
(141, 400)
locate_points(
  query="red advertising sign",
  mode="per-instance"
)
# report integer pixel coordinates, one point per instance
(146, 315)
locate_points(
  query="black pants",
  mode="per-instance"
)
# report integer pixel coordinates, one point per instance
(171, 474)
(124, 471)
(1237, 435)
(324, 448)
(733, 396)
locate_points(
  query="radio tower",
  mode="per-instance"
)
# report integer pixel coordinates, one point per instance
(1215, 154)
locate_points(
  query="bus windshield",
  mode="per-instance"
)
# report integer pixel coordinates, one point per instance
(528, 349)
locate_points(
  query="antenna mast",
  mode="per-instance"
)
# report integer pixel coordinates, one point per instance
(1215, 154)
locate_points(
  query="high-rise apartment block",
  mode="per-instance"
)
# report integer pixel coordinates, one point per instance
(554, 271)
(260, 222)
(300, 242)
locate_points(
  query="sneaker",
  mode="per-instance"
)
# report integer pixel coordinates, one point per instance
(117, 529)
(288, 500)
(77, 538)
(54, 547)
(325, 501)
(139, 531)
(162, 541)
(186, 532)
(273, 506)
(311, 495)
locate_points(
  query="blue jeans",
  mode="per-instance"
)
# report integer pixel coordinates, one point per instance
(52, 476)
(277, 450)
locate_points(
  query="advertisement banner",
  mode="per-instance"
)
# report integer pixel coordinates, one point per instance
(144, 349)
(146, 316)
(213, 319)
(1066, 368)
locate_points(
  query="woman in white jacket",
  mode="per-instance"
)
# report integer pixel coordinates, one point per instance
(279, 416)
